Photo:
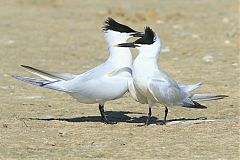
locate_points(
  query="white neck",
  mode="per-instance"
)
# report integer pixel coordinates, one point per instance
(145, 65)
(119, 56)
(147, 59)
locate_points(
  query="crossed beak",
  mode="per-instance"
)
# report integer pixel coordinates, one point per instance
(138, 34)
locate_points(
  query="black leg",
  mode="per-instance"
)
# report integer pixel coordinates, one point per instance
(149, 115)
(103, 116)
(165, 117)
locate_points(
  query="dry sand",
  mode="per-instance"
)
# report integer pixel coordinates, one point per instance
(201, 43)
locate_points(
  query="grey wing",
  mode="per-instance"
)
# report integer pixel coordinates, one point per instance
(127, 70)
(165, 92)
(102, 70)
(92, 73)
(96, 72)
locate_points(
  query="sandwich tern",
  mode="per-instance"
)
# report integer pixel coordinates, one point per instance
(108, 81)
(151, 85)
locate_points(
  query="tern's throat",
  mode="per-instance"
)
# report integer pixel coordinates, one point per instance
(145, 63)
(120, 56)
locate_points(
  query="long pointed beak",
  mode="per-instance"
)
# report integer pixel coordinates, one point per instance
(130, 45)
(138, 34)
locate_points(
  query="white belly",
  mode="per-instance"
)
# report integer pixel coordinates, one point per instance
(101, 90)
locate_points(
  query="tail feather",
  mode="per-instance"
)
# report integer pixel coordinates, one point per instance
(42, 83)
(206, 97)
(193, 105)
(189, 88)
(51, 76)
(190, 102)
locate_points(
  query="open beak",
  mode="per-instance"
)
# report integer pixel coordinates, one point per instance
(138, 34)
(130, 45)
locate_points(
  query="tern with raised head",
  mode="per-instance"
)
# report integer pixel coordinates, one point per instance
(108, 81)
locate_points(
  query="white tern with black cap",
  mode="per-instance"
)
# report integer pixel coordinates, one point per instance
(108, 81)
(151, 85)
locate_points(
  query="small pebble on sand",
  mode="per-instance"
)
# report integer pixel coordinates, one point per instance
(50, 143)
(227, 42)
(225, 20)
(9, 42)
(165, 49)
(195, 36)
(208, 58)
(159, 22)
(177, 27)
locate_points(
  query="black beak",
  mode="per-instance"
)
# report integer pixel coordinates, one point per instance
(130, 45)
(138, 34)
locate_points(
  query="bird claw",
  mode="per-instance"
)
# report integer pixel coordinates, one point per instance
(147, 122)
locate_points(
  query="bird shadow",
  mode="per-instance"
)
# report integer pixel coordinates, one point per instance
(116, 117)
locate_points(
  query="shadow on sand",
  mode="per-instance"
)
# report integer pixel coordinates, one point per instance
(116, 117)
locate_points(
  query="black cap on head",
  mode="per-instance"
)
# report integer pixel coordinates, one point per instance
(148, 38)
(111, 24)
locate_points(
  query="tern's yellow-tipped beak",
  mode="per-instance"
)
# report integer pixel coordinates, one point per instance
(129, 45)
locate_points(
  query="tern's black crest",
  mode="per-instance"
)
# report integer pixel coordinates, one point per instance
(111, 24)
(148, 38)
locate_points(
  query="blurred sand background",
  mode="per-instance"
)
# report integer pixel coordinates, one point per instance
(200, 41)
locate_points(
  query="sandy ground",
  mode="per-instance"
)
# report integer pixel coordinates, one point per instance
(200, 40)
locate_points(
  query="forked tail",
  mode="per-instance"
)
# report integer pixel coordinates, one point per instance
(51, 76)
(42, 83)
(206, 97)
(191, 101)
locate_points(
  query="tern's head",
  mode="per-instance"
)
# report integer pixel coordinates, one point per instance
(150, 42)
(115, 32)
